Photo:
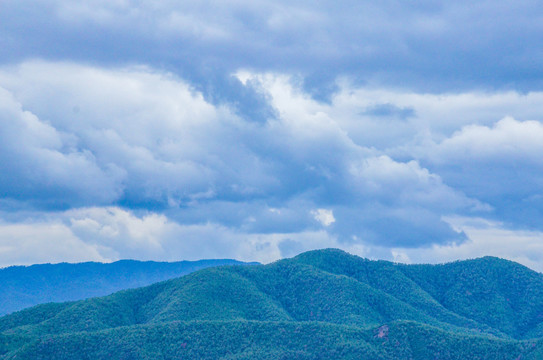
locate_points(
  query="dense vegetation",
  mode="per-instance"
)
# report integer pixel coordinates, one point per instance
(24, 286)
(319, 305)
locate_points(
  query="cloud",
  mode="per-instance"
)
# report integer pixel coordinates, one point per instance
(130, 125)
(263, 121)
(39, 163)
(138, 149)
(324, 216)
(437, 116)
(507, 139)
(147, 140)
(499, 164)
(403, 183)
(112, 233)
(485, 238)
(29, 243)
(420, 46)
(109, 234)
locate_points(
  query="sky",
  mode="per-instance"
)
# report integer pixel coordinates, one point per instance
(256, 130)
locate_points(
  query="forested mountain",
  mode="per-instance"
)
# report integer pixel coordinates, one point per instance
(323, 304)
(24, 286)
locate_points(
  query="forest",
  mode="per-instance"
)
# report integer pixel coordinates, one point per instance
(323, 304)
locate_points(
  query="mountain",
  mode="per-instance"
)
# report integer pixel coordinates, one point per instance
(322, 304)
(25, 286)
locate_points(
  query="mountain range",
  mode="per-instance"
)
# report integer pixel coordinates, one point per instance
(323, 304)
(25, 286)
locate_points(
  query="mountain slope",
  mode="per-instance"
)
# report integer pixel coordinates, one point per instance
(375, 309)
(500, 293)
(25, 286)
(271, 340)
(497, 293)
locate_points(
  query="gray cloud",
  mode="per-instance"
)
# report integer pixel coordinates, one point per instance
(39, 163)
(229, 125)
(142, 147)
(426, 46)
(146, 140)
(499, 164)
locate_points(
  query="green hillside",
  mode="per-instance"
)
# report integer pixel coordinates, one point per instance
(323, 304)
(25, 286)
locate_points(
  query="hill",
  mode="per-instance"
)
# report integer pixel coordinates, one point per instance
(323, 304)
(25, 286)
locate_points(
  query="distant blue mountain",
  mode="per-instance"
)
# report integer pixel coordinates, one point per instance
(25, 286)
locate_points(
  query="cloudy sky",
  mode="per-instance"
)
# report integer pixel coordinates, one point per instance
(255, 130)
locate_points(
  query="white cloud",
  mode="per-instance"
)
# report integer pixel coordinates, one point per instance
(324, 216)
(435, 116)
(109, 234)
(506, 140)
(404, 183)
(29, 243)
(432, 118)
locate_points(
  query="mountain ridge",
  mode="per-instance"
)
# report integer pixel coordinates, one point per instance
(24, 286)
(326, 292)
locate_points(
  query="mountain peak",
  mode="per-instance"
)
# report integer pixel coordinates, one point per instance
(326, 252)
